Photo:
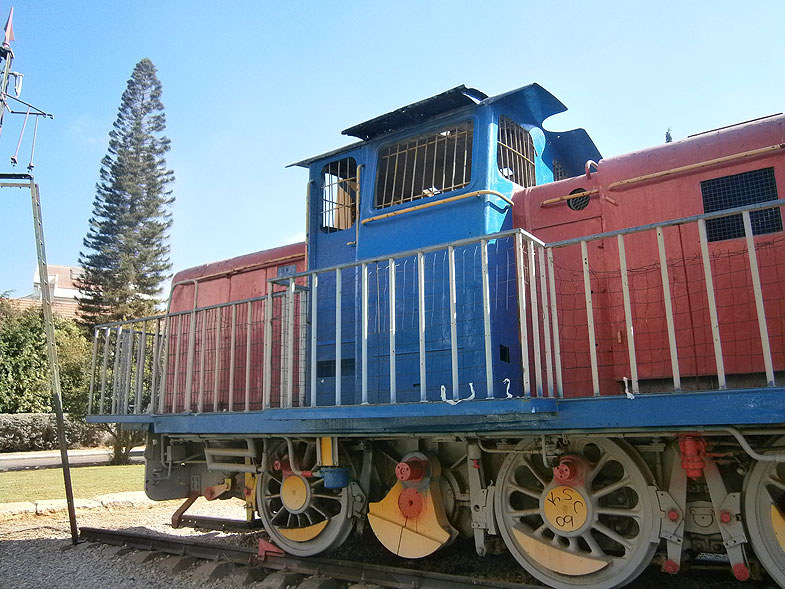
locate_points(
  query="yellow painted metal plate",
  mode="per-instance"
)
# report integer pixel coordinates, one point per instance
(557, 560)
(326, 449)
(250, 495)
(303, 534)
(294, 492)
(249, 489)
(565, 509)
(778, 524)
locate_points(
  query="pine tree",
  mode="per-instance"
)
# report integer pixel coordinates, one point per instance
(127, 255)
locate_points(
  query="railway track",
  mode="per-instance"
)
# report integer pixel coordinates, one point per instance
(341, 570)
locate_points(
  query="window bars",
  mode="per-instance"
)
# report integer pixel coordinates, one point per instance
(425, 166)
(515, 153)
(339, 194)
(559, 171)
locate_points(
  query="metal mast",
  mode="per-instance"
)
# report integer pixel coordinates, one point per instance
(27, 181)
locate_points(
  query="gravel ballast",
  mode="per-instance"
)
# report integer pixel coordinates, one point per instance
(36, 551)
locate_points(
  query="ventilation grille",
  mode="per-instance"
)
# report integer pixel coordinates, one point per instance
(738, 190)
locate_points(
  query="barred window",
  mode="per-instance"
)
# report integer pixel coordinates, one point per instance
(738, 190)
(559, 171)
(339, 194)
(515, 153)
(425, 166)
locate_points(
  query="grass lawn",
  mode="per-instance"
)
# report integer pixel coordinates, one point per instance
(88, 481)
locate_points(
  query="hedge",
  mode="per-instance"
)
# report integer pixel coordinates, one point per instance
(21, 432)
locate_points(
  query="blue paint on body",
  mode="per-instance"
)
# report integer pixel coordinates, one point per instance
(461, 219)
(518, 416)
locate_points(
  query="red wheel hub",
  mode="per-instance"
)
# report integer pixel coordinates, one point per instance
(411, 471)
(570, 470)
(411, 502)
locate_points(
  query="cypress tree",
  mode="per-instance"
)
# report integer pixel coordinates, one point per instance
(126, 256)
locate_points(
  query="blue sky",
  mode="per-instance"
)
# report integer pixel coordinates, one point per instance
(250, 87)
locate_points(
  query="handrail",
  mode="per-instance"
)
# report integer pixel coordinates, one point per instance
(551, 201)
(229, 272)
(357, 208)
(769, 204)
(131, 355)
(696, 166)
(189, 311)
(555, 244)
(413, 252)
(663, 173)
(438, 202)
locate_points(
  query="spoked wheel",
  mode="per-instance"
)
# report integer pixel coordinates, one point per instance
(764, 514)
(588, 522)
(299, 513)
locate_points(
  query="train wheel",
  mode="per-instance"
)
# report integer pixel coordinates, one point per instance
(299, 513)
(589, 522)
(764, 514)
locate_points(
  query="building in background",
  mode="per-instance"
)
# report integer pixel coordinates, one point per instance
(62, 280)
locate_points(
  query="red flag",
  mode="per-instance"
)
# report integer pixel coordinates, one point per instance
(9, 28)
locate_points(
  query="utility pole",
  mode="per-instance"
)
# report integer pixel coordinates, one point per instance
(27, 181)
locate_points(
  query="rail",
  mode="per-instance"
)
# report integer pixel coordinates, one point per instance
(391, 320)
(727, 270)
(352, 572)
(201, 359)
(655, 308)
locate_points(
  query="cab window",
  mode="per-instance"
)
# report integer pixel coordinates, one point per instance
(339, 194)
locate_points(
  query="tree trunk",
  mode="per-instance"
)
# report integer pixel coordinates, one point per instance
(123, 441)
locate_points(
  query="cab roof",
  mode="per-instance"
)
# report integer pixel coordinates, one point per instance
(533, 99)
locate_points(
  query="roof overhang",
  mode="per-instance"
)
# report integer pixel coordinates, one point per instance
(416, 113)
(533, 101)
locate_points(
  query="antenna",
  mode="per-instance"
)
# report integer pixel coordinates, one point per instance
(7, 100)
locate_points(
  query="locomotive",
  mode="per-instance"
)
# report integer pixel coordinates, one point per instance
(491, 335)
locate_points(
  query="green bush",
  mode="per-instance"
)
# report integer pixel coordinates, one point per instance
(21, 432)
(25, 384)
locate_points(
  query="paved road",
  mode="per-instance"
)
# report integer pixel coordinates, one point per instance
(51, 458)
